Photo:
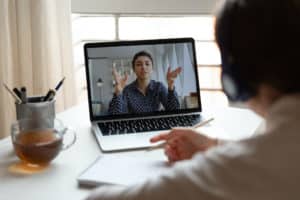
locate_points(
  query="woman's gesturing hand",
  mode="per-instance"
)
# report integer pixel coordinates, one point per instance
(171, 76)
(120, 81)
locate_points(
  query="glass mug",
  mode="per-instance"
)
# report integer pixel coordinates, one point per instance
(37, 141)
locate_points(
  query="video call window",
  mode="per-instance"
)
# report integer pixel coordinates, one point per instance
(107, 63)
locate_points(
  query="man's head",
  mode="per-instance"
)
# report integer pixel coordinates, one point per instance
(259, 42)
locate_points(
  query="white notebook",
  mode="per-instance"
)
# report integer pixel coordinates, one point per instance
(124, 169)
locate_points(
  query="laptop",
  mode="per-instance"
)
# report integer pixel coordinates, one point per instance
(126, 119)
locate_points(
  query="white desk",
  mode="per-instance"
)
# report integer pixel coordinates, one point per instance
(59, 180)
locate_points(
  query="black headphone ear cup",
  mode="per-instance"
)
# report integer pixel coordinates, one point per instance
(228, 78)
(229, 87)
(235, 88)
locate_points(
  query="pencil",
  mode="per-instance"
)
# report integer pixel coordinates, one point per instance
(17, 99)
(162, 145)
(59, 84)
(203, 123)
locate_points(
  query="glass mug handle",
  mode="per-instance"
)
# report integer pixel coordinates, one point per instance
(64, 132)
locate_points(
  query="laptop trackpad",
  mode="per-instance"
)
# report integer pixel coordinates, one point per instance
(126, 141)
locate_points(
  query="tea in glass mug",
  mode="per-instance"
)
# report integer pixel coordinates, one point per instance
(37, 141)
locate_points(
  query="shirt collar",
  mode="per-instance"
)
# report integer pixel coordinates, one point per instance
(286, 108)
(151, 85)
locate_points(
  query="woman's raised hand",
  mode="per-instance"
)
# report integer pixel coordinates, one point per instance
(120, 81)
(171, 76)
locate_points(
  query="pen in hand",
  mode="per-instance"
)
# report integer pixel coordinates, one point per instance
(162, 145)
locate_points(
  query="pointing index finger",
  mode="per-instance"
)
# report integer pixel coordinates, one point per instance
(160, 137)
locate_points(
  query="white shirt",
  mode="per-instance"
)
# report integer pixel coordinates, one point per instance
(265, 167)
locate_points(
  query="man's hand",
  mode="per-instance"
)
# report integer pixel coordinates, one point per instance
(183, 143)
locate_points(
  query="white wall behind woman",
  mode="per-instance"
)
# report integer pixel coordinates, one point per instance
(144, 6)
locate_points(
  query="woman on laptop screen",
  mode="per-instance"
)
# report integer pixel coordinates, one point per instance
(143, 95)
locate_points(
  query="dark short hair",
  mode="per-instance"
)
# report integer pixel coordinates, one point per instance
(263, 38)
(141, 53)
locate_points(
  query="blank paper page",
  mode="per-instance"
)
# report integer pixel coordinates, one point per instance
(123, 169)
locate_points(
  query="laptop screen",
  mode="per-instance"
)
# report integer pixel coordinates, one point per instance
(142, 78)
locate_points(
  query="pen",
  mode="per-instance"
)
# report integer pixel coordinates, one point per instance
(162, 145)
(17, 92)
(51, 93)
(17, 99)
(23, 95)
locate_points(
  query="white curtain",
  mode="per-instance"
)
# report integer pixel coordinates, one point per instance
(35, 52)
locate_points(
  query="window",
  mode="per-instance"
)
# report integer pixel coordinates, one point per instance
(89, 27)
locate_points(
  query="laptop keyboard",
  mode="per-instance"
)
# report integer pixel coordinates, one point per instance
(144, 125)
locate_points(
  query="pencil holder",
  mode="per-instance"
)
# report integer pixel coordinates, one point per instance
(35, 108)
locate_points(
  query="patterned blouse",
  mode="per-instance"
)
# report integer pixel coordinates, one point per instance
(131, 100)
